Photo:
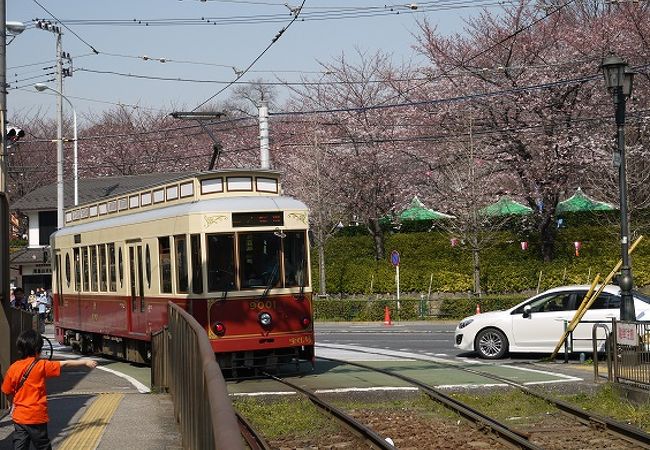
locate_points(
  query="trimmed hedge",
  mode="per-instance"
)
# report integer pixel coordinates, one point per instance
(457, 308)
(369, 310)
(352, 269)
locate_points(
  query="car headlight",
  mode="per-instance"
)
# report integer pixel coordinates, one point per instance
(465, 322)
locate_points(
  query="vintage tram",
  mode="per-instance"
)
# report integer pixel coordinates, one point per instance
(225, 245)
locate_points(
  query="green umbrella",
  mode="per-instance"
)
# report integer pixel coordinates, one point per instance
(579, 202)
(417, 211)
(506, 207)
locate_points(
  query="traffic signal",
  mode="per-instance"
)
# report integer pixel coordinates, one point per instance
(12, 134)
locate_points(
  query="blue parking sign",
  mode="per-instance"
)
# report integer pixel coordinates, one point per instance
(394, 258)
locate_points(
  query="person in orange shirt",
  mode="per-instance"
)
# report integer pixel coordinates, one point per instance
(24, 384)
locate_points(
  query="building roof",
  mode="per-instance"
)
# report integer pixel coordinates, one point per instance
(91, 189)
(28, 255)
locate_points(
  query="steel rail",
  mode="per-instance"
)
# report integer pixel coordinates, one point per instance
(482, 421)
(348, 421)
(254, 440)
(622, 430)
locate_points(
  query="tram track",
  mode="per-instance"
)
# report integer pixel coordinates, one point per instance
(365, 433)
(253, 439)
(628, 433)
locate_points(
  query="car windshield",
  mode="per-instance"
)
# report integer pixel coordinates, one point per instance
(643, 297)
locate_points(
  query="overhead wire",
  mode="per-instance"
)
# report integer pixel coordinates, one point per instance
(241, 74)
(66, 27)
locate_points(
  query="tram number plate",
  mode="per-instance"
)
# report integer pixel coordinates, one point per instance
(302, 340)
(269, 304)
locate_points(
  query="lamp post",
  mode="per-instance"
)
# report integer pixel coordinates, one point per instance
(42, 87)
(618, 79)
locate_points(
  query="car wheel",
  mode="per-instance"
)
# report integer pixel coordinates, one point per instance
(491, 344)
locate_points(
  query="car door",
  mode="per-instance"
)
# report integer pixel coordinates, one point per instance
(541, 328)
(605, 308)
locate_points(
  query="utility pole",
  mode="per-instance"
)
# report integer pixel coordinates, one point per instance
(264, 135)
(5, 327)
(59, 133)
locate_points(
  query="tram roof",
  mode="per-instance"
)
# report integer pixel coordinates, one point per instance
(224, 204)
(100, 188)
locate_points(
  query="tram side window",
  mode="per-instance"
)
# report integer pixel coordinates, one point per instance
(164, 255)
(181, 263)
(259, 259)
(221, 262)
(77, 270)
(295, 259)
(93, 268)
(112, 286)
(85, 267)
(103, 281)
(197, 273)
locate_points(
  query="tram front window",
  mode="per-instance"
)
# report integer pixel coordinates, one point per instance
(221, 262)
(295, 259)
(259, 259)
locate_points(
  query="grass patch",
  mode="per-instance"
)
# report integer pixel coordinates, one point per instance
(607, 402)
(509, 405)
(296, 417)
(421, 404)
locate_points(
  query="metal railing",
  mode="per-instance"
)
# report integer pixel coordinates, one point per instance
(631, 353)
(18, 321)
(184, 363)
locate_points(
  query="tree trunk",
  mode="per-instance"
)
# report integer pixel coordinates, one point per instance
(547, 233)
(322, 290)
(378, 237)
(477, 271)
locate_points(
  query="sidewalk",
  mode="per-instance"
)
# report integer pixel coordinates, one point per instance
(99, 409)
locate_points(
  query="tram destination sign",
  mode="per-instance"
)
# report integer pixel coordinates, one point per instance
(258, 219)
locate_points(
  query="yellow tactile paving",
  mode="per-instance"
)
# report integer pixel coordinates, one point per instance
(86, 433)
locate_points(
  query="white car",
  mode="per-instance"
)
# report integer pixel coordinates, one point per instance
(537, 324)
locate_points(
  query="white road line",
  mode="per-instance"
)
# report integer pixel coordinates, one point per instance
(139, 386)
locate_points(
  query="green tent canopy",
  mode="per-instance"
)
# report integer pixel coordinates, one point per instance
(417, 211)
(579, 202)
(506, 207)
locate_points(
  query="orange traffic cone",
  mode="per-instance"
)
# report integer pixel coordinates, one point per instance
(478, 308)
(387, 320)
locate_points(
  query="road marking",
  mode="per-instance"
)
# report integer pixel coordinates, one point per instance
(139, 386)
(87, 432)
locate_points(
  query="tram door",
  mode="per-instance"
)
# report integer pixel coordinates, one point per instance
(138, 315)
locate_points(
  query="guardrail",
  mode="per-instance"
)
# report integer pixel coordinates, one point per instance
(631, 359)
(18, 321)
(184, 363)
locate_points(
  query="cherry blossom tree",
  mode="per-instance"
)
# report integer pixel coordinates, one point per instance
(535, 89)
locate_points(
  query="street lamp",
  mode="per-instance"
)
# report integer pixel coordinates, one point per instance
(618, 79)
(42, 87)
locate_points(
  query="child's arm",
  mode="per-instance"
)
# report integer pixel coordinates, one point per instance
(79, 363)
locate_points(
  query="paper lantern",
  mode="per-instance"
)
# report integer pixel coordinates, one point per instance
(578, 246)
(524, 245)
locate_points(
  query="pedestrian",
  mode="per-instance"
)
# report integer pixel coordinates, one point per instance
(19, 298)
(42, 303)
(12, 298)
(24, 384)
(31, 300)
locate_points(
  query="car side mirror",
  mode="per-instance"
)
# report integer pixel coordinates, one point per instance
(526, 313)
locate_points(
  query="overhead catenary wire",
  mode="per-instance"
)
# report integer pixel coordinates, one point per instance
(242, 73)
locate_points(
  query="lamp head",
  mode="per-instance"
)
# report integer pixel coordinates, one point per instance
(614, 72)
(14, 28)
(40, 87)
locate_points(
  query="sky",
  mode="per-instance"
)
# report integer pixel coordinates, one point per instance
(201, 41)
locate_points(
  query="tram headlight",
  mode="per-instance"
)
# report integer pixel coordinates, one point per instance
(265, 319)
(306, 321)
(219, 329)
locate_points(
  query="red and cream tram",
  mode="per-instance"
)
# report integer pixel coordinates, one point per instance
(225, 245)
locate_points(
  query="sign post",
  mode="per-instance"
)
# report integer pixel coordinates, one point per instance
(394, 259)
